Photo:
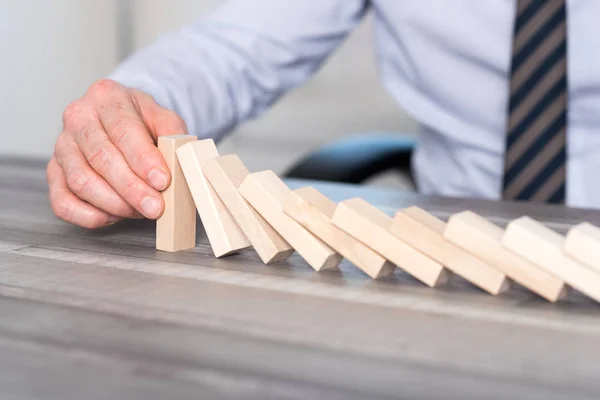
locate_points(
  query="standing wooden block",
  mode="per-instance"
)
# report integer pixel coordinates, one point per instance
(544, 247)
(371, 226)
(482, 238)
(226, 174)
(425, 233)
(583, 244)
(176, 228)
(224, 234)
(267, 194)
(314, 211)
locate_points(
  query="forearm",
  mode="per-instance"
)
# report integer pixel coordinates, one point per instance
(231, 65)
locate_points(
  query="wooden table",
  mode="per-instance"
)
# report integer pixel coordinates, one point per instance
(102, 315)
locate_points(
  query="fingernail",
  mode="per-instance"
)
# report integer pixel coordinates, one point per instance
(113, 219)
(151, 207)
(158, 179)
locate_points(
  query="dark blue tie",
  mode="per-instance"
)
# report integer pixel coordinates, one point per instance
(535, 160)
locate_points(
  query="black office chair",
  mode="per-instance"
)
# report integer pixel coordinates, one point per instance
(357, 158)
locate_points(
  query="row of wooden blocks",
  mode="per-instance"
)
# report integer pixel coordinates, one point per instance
(240, 209)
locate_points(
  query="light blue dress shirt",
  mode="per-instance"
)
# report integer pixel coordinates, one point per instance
(445, 62)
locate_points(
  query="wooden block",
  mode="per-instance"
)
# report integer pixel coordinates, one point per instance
(224, 234)
(544, 247)
(583, 244)
(267, 193)
(425, 233)
(483, 239)
(176, 228)
(370, 225)
(226, 174)
(314, 211)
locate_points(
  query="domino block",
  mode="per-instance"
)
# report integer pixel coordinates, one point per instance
(224, 234)
(483, 239)
(425, 233)
(544, 247)
(371, 226)
(226, 174)
(583, 244)
(267, 194)
(176, 228)
(314, 211)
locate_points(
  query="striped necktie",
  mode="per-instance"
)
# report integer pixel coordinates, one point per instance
(535, 158)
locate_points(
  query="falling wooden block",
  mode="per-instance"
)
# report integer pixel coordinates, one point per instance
(370, 225)
(544, 247)
(176, 228)
(224, 234)
(314, 211)
(483, 239)
(583, 244)
(425, 233)
(226, 174)
(267, 194)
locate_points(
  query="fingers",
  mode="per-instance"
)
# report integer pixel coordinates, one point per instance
(107, 160)
(104, 158)
(126, 128)
(85, 183)
(69, 207)
(160, 121)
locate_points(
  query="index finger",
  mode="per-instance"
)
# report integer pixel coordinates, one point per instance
(131, 136)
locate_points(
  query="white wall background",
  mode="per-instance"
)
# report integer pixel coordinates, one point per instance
(50, 51)
(53, 49)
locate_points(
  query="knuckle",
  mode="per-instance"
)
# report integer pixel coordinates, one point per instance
(60, 145)
(79, 182)
(103, 87)
(141, 159)
(131, 188)
(116, 106)
(86, 133)
(146, 157)
(73, 112)
(122, 129)
(99, 158)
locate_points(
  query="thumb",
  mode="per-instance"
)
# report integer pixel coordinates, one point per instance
(160, 121)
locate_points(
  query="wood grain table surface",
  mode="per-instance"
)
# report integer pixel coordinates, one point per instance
(102, 315)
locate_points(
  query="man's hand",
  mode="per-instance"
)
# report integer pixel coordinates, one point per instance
(106, 166)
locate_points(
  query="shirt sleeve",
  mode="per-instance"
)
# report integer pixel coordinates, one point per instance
(232, 64)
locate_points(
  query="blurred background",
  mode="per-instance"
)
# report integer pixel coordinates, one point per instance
(52, 50)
